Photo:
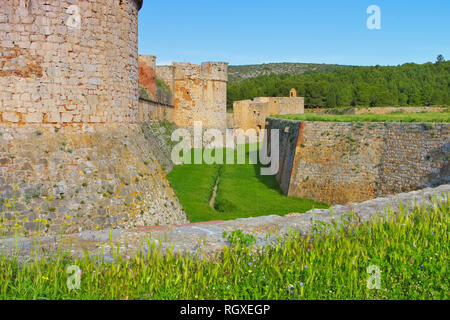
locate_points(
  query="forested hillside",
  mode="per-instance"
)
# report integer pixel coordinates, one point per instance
(409, 84)
(240, 73)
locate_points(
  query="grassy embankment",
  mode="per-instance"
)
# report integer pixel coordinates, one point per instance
(411, 251)
(393, 117)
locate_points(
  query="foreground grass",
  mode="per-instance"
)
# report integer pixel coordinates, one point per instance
(394, 117)
(412, 253)
(242, 192)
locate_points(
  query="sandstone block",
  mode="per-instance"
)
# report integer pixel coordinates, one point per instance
(10, 116)
(66, 117)
(35, 117)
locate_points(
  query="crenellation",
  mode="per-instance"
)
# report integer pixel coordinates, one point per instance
(198, 91)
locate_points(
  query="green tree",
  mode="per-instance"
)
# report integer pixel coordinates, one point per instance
(331, 98)
(440, 59)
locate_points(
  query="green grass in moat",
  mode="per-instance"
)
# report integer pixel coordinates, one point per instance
(242, 192)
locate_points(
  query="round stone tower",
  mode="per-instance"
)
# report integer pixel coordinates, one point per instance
(69, 62)
(73, 156)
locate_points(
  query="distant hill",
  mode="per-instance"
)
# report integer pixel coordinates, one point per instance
(409, 84)
(244, 72)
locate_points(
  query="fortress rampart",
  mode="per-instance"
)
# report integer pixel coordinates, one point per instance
(341, 162)
(199, 92)
(68, 62)
(252, 114)
(72, 154)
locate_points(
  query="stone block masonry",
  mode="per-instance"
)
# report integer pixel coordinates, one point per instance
(206, 239)
(70, 180)
(252, 114)
(200, 92)
(338, 162)
(72, 156)
(56, 71)
(147, 74)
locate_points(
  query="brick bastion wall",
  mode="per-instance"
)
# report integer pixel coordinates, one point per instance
(339, 162)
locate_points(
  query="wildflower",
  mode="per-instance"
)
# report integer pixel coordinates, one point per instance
(147, 295)
(421, 266)
(45, 278)
(292, 291)
(249, 263)
(301, 284)
(306, 266)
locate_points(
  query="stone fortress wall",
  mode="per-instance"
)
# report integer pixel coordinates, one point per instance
(65, 62)
(252, 114)
(341, 162)
(72, 154)
(147, 75)
(199, 91)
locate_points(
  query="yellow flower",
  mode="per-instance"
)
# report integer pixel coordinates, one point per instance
(45, 278)
(16, 187)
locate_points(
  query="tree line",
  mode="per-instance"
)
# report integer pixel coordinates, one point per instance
(404, 85)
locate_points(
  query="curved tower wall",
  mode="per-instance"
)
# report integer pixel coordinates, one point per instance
(69, 62)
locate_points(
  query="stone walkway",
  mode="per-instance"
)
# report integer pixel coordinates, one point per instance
(207, 237)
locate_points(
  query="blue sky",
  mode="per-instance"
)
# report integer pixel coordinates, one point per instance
(313, 31)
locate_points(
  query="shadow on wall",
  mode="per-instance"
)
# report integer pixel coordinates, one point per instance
(269, 181)
(163, 93)
(443, 175)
